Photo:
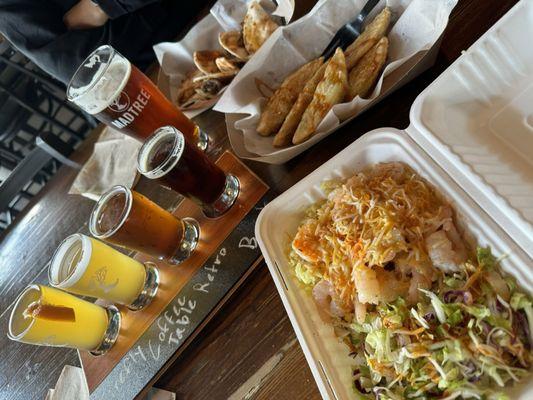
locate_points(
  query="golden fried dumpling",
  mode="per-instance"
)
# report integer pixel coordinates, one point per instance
(257, 27)
(232, 42)
(225, 64)
(205, 60)
(188, 87)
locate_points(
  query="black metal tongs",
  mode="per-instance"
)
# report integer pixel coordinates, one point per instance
(349, 32)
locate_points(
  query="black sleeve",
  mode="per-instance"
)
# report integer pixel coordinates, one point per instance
(117, 8)
(37, 30)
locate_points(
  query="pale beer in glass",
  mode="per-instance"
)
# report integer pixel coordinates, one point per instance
(89, 267)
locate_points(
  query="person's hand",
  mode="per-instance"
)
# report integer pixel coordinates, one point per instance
(85, 15)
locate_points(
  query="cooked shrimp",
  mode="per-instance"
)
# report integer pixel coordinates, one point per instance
(359, 310)
(376, 284)
(306, 244)
(458, 243)
(419, 274)
(390, 285)
(367, 284)
(326, 299)
(442, 253)
(418, 281)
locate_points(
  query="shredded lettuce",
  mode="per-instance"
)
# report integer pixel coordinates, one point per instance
(453, 351)
(379, 342)
(304, 274)
(420, 320)
(519, 301)
(499, 322)
(463, 337)
(455, 317)
(492, 370)
(437, 304)
(478, 311)
(485, 258)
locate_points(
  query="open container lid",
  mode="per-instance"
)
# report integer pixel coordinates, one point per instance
(476, 121)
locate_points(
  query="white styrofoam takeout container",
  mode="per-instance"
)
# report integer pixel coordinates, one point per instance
(471, 136)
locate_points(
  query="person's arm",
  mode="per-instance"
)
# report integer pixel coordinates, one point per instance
(88, 14)
(36, 29)
(118, 8)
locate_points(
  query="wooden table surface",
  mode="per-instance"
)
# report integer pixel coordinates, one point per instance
(249, 350)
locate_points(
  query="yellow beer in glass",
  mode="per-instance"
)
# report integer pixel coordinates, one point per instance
(86, 266)
(87, 326)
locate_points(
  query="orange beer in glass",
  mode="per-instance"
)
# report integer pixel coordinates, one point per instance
(50, 317)
(118, 94)
(129, 219)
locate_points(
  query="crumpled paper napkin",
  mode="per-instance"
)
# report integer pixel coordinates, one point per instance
(70, 385)
(113, 162)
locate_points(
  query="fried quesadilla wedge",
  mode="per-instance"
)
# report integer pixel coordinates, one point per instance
(363, 77)
(205, 60)
(286, 132)
(232, 42)
(374, 31)
(257, 27)
(330, 91)
(280, 103)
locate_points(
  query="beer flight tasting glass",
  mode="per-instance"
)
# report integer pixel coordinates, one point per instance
(46, 316)
(118, 94)
(169, 158)
(88, 267)
(85, 266)
(126, 218)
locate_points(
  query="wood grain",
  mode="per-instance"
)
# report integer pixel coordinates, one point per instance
(252, 327)
(172, 277)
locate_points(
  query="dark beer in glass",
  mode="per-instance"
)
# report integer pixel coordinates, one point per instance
(109, 87)
(180, 166)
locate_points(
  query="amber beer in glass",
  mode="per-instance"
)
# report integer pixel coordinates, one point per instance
(129, 219)
(109, 87)
(180, 166)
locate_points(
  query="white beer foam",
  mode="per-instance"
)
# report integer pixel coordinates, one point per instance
(97, 96)
(70, 261)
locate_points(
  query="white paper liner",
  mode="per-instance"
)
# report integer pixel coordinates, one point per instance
(417, 26)
(176, 59)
